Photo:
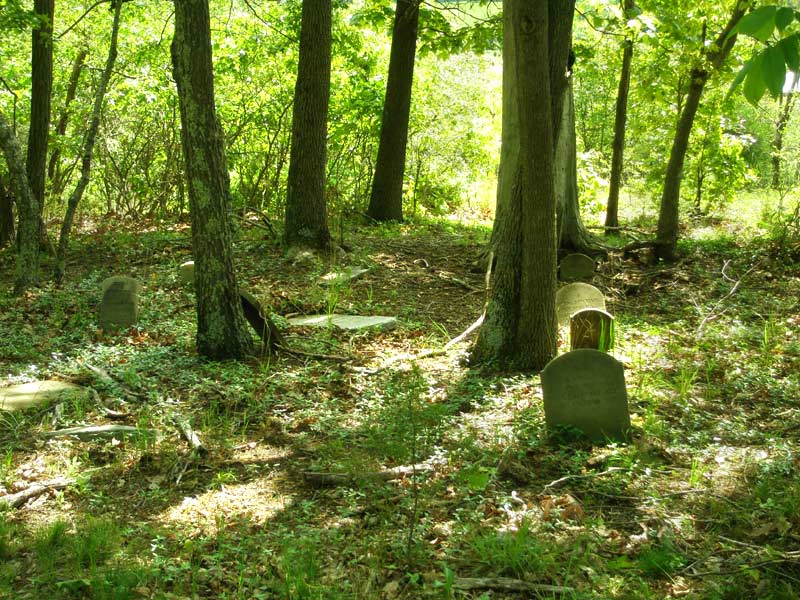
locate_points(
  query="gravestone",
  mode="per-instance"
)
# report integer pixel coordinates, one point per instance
(576, 296)
(186, 273)
(119, 307)
(576, 267)
(342, 277)
(346, 322)
(591, 328)
(35, 393)
(585, 389)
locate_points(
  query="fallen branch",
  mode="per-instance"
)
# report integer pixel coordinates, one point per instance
(320, 478)
(461, 282)
(189, 434)
(507, 584)
(34, 491)
(559, 482)
(715, 310)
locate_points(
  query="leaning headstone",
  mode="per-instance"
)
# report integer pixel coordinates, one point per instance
(576, 296)
(591, 328)
(186, 273)
(346, 322)
(35, 393)
(342, 277)
(585, 389)
(119, 307)
(576, 267)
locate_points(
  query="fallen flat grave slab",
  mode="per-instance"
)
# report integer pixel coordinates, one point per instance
(92, 432)
(35, 393)
(347, 322)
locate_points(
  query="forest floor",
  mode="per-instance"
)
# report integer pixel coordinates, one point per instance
(293, 499)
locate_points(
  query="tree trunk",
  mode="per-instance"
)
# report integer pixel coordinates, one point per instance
(41, 92)
(386, 198)
(88, 149)
(306, 218)
(786, 103)
(669, 213)
(6, 214)
(221, 327)
(519, 331)
(620, 118)
(28, 209)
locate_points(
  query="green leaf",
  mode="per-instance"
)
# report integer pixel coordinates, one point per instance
(754, 84)
(790, 46)
(783, 17)
(740, 77)
(774, 70)
(759, 23)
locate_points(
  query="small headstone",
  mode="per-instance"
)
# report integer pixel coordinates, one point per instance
(347, 322)
(344, 276)
(591, 328)
(576, 267)
(576, 296)
(585, 389)
(35, 393)
(119, 307)
(186, 273)
(258, 319)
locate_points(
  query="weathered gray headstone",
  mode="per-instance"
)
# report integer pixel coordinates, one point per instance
(348, 322)
(341, 277)
(119, 307)
(585, 389)
(186, 273)
(35, 393)
(591, 328)
(576, 267)
(576, 296)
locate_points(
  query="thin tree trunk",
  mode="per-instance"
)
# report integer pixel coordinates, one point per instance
(386, 198)
(669, 213)
(620, 118)
(519, 331)
(28, 251)
(88, 148)
(6, 214)
(221, 327)
(306, 212)
(785, 112)
(41, 93)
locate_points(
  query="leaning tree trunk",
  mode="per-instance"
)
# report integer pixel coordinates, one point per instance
(386, 198)
(519, 330)
(88, 149)
(572, 234)
(28, 251)
(669, 213)
(306, 217)
(221, 327)
(620, 118)
(41, 92)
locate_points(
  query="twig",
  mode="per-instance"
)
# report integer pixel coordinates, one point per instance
(507, 584)
(331, 479)
(744, 568)
(715, 310)
(560, 482)
(189, 434)
(295, 352)
(461, 282)
(34, 491)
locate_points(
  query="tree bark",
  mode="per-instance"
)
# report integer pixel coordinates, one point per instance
(386, 198)
(306, 218)
(786, 104)
(88, 148)
(27, 207)
(41, 93)
(620, 118)
(221, 328)
(6, 214)
(520, 330)
(713, 58)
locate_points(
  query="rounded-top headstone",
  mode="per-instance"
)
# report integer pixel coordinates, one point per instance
(186, 273)
(576, 267)
(591, 328)
(119, 307)
(585, 389)
(576, 296)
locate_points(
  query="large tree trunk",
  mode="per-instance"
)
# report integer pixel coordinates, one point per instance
(620, 118)
(41, 92)
(221, 328)
(669, 213)
(28, 251)
(386, 198)
(88, 149)
(519, 331)
(306, 218)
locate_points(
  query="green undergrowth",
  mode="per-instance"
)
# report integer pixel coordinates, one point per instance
(701, 503)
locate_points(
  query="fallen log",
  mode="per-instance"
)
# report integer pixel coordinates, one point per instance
(34, 491)
(507, 584)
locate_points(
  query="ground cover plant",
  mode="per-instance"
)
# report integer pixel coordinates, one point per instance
(288, 500)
